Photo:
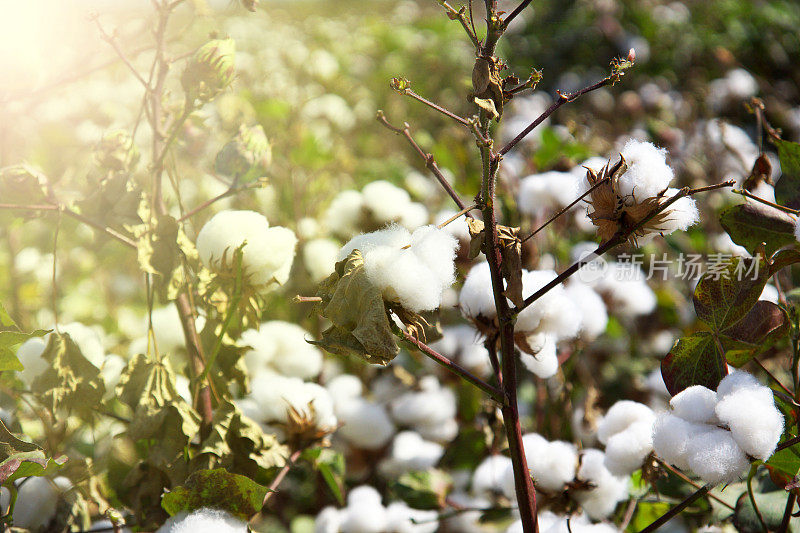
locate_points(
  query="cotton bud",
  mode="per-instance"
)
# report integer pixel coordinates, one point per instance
(631, 55)
(246, 157)
(116, 151)
(210, 71)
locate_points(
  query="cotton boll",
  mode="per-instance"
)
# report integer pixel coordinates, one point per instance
(414, 215)
(488, 479)
(628, 291)
(385, 201)
(552, 464)
(594, 316)
(344, 387)
(329, 520)
(432, 404)
(770, 294)
(272, 260)
(319, 257)
(411, 452)
(30, 355)
(754, 421)
(168, 330)
(402, 277)
(695, 404)
(344, 214)
(281, 346)
(476, 297)
(203, 520)
(275, 394)
(671, 437)
(364, 513)
(443, 430)
(37, 501)
(627, 450)
(715, 457)
(600, 501)
(437, 250)
(736, 381)
(364, 424)
(547, 191)
(545, 363)
(622, 414)
(648, 173)
(393, 236)
(681, 214)
(308, 228)
(403, 519)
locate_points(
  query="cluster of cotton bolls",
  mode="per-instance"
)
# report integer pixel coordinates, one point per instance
(558, 315)
(268, 252)
(412, 269)
(365, 513)
(203, 520)
(626, 430)
(715, 434)
(377, 204)
(364, 423)
(279, 360)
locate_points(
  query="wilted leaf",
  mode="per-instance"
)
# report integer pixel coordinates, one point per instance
(751, 223)
(487, 105)
(694, 360)
(511, 264)
(787, 190)
(424, 489)
(360, 326)
(760, 328)
(218, 489)
(19, 458)
(113, 200)
(723, 301)
(23, 184)
(71, 382)
(477, 235)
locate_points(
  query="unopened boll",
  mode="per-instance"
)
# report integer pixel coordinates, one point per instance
(267, 254)
(412, 269)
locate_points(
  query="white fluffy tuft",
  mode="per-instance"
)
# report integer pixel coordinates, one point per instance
(203, 520)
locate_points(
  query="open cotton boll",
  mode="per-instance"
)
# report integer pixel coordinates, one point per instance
(648, 173)
(30, 355)
(364, 512)
(344, 213)
(364, 424)
(599, 502)
(385, 201)
(770, 294)
(545, 363)
(476, 297)
(490, 476)
(622, 414)
(627, 450)
(627, 289)
(319, 257)
(267, 255)
(736, 381)
(695, 404)
(552, 464)
(437, 249)
(344, 387)
(411, 452)
(682, 214)
(671, 437)
(275, 394)
(281, 346)
(553, 313)
(414, 216)
(754, 421)
(461, 343)
(392, 236)
(434, 403)
(547, 191)
(203, 520)
(715, 457)
(403, 519)
(37, 501)
(590, 305)
(329, 520)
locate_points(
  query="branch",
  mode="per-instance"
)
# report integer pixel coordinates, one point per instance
(402, 86)
(694, 484)
(113, 42)
(461, 16)
(554, 217)
(562, 99)
(495, 393)
(621, 236)
(675, 511)
(430, 162)
(273, 487)
(511, 16)
(748, 194)
(230, 192)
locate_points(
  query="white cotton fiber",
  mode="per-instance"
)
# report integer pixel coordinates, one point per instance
(545, 363)
(433, 403)
(363, 495)
(599, 502)
(386, 202)
(436, 249)
(411, 452)
(621, 415)
(627, 450)
(671, 437)
(329, 520)
(393, 236)
(439, 430)
(267, 255)
(281, 347)
(476, 297)
(414, 215)
(364, 512)
(364, 424)
(715, 457)
(695, 404)
(37, 501)
(736, 381)
(754, 421)
(344, 213)
(680, 215)
(592, 309)
(319, 257)
(462, 344)
(648, 173)
(203, 520)
(552, 464)
(403, 519)
(489, 478)
(30, 355)
(344, 387)
(548, 191)
(628, 290)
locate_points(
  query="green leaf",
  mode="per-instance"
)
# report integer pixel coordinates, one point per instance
(330, 464)
(247, 157)
(360, 325)
(425, 489)
(787, 190)
(724, 296)
(786, 461)
(760, 328)
(9, 343)
(694, 360)
(218, 489)
(749, 224)
(771, 505)
(646, 514)
(19, 458)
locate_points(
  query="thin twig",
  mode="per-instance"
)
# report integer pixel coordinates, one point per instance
(437, 107)
(787, 444)
(460, 16)
(493, 392)
(693, 483)
(511, 16)
(787, 513)
(675, 511)
(629, 510)
(457, 215)
(752, 498)
(113, 42)
(561, 100)
(554, 217)
(229, 192)
(748, 194)
(430, 162)
(273, 487)
(771, 376)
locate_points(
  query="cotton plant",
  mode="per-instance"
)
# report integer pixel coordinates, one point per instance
(716, 434)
